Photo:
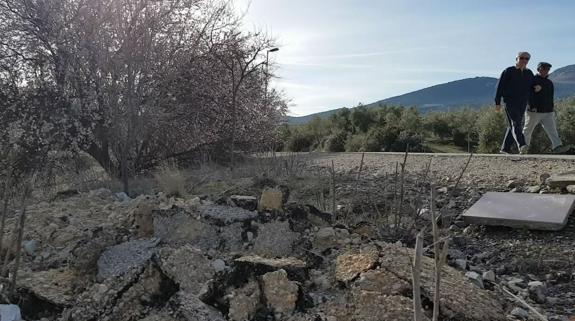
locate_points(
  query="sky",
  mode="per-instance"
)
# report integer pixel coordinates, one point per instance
(339, 53)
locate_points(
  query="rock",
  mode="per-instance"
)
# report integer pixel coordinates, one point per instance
(275, 239)
(158, 317)
(256, 265)
(176, 226)
(191, 308)
(30, 247)
(249, 203)
(461, 264)
(489, 276)
(533, 189)
(244, 302)
(349, 265)
(271, 199)
(543, 178)
(124, 257)
(325, 239)
(537, 291)
(219, 265)
(520, 313)
(187, 267)
(123, 197)
(511, 184)
(458, 296)
(561, 180)
(10, 312)
(475, 278)
(383, 282)
(373, 306)
(144, 220)
(231, 237)
(226, 214)
(571, 189)
(442, 190)
(280, 293)
(55, 286)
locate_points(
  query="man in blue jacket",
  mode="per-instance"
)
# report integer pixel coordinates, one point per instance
(514, 87)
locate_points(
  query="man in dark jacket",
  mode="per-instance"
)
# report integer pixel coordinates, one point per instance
(541, 109)
(515, 86)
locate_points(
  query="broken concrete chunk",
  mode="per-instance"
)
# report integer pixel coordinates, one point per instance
(249, 203)
(373, 306)
(280, 293)
(177, 226)
(244, 302)
(383, 282)
(55, 286)
(561, 180)
(124, 257)
(460, 300)
(190, 307)
(275, 239)
(350, 265)
(188, 267)
(226, 214)
(522, 210)
(325, 239)
(256, 265)
(271, 199)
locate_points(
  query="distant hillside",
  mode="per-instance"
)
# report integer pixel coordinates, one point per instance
(473, 92)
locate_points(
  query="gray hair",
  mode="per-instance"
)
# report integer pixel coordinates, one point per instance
(523, 54)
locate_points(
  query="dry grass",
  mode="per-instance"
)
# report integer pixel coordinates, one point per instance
(170, 179)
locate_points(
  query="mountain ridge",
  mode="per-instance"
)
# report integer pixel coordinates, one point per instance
(467, 92)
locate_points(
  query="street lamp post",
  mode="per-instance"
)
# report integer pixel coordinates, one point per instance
(267, 68)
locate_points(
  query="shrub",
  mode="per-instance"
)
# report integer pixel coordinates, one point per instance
(336, 142)
(355, 143)
(490, 128)
(566, 121)
(299, 142)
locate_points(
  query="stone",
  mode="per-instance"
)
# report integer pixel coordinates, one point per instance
(533, 189)
(231, 237)
(522, 210)
(460, 300)
(442, 190)
(244, 302)
(257, 265)
(176, 226)
(280, 293)
(383, 282)
(520, 313)
(461, 264)
(122, 197)
(275, 239)
(158, 317)
(144, 219)
(249, 203)
(348, 266)
(325, 239)
(373, 306)
(187, 267)
(561, 180)
(226, 214)
(271, 199)
(124, 257)
(219, 265)
(537, 291)
(10, 312)
(191, 308)
(571, 189)
(475, 278)
(30, 247)
(489, 276)
(543, 178)
(55, 285)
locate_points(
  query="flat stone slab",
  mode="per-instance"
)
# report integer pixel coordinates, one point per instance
(562, 180)
(522, 210)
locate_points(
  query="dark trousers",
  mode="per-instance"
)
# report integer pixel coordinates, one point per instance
(514, 133)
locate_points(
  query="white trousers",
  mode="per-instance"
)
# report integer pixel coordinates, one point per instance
(547, 120)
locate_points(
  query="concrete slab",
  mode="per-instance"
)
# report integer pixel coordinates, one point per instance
(522, 210)
(562, 180)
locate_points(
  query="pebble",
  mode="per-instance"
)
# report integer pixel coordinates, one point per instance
(31, 247)
(520, 313)
(475, 278)
(489, 276)
(219, 265)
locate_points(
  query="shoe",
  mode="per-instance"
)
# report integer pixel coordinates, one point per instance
(504, 152)
(523, 150)
(561, 149)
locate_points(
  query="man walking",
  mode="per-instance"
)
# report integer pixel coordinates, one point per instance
(541, 109)
(515, 87)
